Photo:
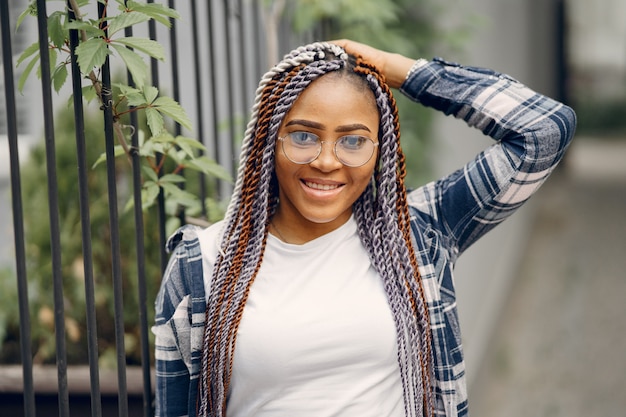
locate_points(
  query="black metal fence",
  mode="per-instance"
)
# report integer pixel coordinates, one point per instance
(215, 55)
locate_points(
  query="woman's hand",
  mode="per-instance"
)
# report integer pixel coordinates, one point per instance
(393, 66)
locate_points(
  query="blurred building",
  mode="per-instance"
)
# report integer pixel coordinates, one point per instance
(597, 52)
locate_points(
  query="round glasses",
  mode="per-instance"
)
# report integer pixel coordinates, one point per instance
(304, 148)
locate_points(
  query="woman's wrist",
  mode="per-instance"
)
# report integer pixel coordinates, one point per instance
(398, 68)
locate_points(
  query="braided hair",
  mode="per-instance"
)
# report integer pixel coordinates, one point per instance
(381, 213)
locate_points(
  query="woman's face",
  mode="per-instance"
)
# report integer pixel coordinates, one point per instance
(318, 196)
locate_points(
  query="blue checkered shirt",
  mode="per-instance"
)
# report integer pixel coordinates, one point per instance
(531, 133)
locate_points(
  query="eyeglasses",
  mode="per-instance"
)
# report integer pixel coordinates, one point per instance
(304, 148)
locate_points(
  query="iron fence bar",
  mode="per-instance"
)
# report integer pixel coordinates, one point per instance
(174, 62)
(53, 210)
(141, 271)
(229, 71)
(199, 102)
(154, 75)
(242, 60)
(85, 218)
(214, 97)
(261, 65)
(107, 99)
(18, 215)
(161, 215)
(140, 256)
(562, 76)
(180, 210)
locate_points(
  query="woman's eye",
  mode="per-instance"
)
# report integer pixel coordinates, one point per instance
(353, 141)
(303, 138)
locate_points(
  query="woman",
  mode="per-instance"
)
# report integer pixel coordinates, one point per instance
(327, 290)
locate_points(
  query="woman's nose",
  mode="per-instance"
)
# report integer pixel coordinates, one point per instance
(327, 160)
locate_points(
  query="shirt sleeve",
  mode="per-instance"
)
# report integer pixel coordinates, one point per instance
(531, 134)
(172, 372)
(178, 328)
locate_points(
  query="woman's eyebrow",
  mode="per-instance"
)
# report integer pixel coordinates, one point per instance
(306, 123)
(340, 129)
(352, 127)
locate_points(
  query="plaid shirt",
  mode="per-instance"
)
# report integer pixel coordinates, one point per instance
(531, 134)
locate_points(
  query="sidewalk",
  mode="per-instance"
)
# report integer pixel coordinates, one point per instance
(560, 347)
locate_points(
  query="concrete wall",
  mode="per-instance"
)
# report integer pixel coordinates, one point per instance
(518, 38)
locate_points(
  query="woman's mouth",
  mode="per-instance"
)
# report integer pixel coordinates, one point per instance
(322, 187)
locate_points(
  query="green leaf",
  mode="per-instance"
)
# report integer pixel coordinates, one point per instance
(90, 27)
(149, 193)
(59, 76)
(147, 46)
(209, 167)
(89, 93)
(172, 178)
(126, 89)
(191, 142)
(182, 197)
(92, 53)
(187, 150)
(150, 93)
(53, 59)
(133, 96)
(32, 49)
(154, 120)
(171, 108)
(162, 143)
(56, 33)
(164, 137)
(129, 204)
(31, 10)
(136, 100)
(158, 12)
(135, 65)
(188, 145)
(26, 73)
(149, 172)
(162, 148)
(124, 20)
(178, 156)
(118, 151)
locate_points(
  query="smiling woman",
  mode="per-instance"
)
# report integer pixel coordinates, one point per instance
(327, 290)
(316, 196)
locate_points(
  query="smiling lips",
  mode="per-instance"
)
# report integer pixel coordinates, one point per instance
(322, 187)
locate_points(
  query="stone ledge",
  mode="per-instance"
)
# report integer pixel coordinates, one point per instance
(45, 380)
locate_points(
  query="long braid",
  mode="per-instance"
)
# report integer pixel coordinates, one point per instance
(397, 239)
(383, 233)
(218, 339)
(381, 213)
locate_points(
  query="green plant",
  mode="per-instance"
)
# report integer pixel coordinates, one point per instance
(39, 256)
(102, 38)
(162, 155)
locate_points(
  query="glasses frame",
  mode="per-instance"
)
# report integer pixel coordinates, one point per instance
(321, 143)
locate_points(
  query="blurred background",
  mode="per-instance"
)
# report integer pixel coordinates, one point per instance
(541, 298)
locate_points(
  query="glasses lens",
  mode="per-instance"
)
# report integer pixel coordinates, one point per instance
(301, 147)
(354, 150)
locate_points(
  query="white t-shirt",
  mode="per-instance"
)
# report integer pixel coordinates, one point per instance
(317, 336)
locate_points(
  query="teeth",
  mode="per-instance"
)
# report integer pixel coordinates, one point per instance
(324, 187)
